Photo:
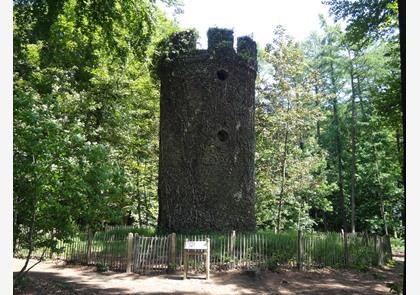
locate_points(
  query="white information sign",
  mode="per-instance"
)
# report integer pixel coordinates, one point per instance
(195, 245)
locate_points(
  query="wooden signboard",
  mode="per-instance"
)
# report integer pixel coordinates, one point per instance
(195, 245)
(197, 248)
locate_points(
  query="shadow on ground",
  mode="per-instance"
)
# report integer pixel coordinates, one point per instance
(53, 279)
(51, 283)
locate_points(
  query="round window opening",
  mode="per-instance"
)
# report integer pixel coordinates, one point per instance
(222, 75)
(222, 135)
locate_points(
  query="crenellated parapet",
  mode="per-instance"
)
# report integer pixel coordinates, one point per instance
(181, 46)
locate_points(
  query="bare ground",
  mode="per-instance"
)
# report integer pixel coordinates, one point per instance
(58, 278)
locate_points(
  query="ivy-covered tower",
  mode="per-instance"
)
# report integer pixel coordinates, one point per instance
(207, 136)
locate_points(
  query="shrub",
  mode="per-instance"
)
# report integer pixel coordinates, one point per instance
(397, 244)
(102, 267)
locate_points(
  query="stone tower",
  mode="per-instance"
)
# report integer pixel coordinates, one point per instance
(207, 136)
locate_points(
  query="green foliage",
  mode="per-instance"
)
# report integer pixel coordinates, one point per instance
(395, 288)
(102, 267)
(272, 264)
(228, 259)
(377, 124)
(366, 20)
(397, 244)
(362, 256)
(177, 44)
(85, 117)
(282, 257)
(290, 164)
(123, 232)
(391, 263)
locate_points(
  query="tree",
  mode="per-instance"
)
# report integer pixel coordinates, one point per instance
(85, 108)
(289, 162)
(366, 20)
(329, 60)
(382, 22)
(353, 77)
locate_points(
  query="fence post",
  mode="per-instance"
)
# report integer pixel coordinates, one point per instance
(136, 243)
(299, 249)
(89, 246)
(380, 250)
(129, 252)
(185, 260)
(388, 248)
(172, 253)
(346, 249)
(208, 259)
(384, 249)
(232, 245)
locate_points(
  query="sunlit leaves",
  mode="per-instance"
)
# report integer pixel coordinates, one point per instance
(289, 163)
(85, 114)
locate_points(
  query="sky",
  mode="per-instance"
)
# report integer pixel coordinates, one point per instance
(257, 19)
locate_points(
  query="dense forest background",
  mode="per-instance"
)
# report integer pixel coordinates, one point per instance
(329, 120)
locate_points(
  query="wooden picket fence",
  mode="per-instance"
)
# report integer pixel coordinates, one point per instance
(238, 250)
(109, 250)
(150, 254)
(145, 255)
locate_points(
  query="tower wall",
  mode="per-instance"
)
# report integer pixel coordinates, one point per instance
(207, 137)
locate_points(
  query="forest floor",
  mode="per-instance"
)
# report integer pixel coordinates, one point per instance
(58, 278)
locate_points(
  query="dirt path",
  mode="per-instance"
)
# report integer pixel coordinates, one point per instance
(57, 278)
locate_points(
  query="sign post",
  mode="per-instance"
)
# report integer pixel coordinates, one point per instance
(193, 248)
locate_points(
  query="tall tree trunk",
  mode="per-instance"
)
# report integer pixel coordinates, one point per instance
(398, 141)
(342, 211)
(318, 131)
(283, 177)
(395, 232)
(381, 199)
(359, 95)
(318, 138)
(31, 234)
(146, 205)
(353, 151)
(383, 213)
(15, 228)
(278, 221)
(400, 155)
(138, 197)
(324, 220)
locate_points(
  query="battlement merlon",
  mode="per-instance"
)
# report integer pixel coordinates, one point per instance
(220, 43)
(219, 38)
(247, 49)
